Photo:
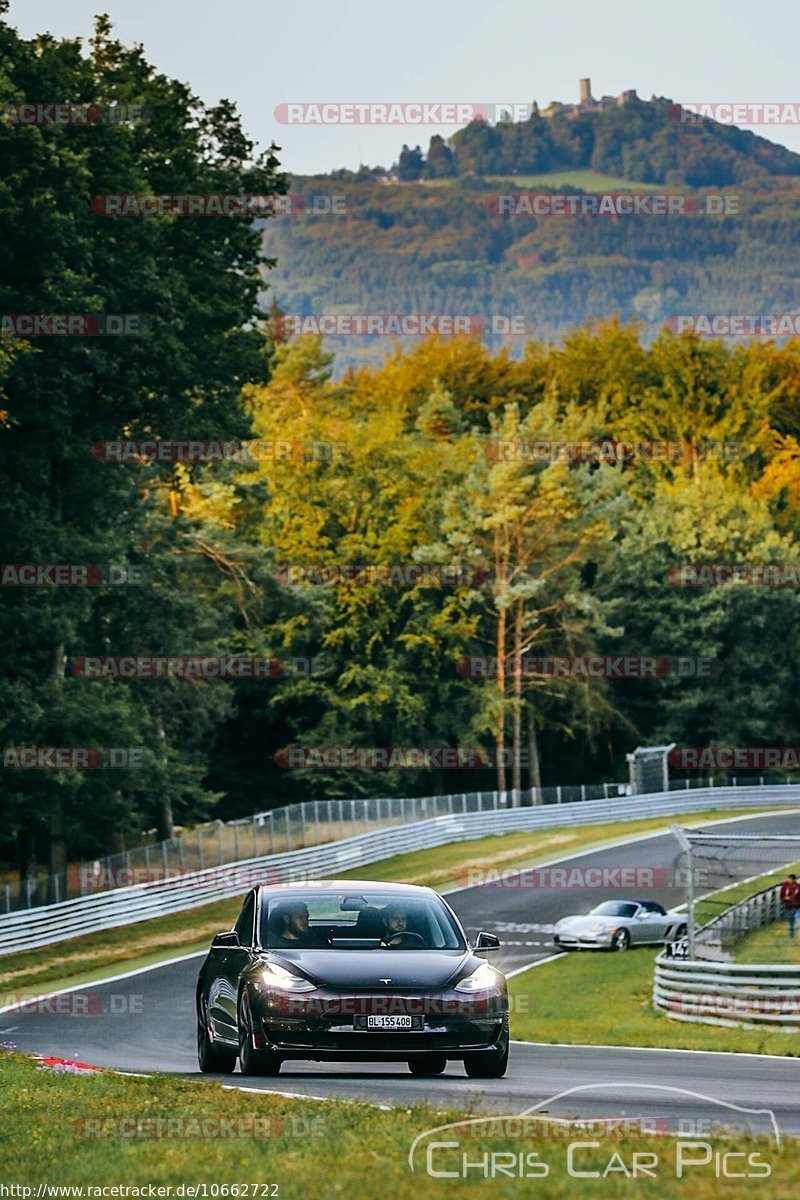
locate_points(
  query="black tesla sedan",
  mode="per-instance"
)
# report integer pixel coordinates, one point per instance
(350, 971)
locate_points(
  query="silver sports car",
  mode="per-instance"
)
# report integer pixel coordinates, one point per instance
(618, 925)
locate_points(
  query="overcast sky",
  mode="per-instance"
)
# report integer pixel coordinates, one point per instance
(262, 54)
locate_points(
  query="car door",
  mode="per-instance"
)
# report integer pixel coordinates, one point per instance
(233, 960)
(647, 925)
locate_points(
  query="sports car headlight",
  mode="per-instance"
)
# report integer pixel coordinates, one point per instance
(277, 977)
(479, 981)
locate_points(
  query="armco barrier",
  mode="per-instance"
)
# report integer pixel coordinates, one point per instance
(716, 940)
(752, 996)
(276, 831)
(89, 914)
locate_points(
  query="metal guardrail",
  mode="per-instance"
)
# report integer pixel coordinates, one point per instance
(52, 923)
(715, 941)
(728, 993)
(279, 830)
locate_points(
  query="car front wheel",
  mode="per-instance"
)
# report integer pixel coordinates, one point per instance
(488, 1064)
(432, 1064)
(212, 1058)
(252, 1061)
(622, 940)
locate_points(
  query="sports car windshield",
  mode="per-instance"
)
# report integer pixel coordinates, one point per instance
(357, 921)
(615, 908)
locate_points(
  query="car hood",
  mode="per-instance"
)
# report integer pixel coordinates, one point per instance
(344, 969)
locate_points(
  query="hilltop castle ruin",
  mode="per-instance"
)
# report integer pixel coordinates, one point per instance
(587, 102)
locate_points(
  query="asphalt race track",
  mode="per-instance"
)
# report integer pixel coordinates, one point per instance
(145, 1022)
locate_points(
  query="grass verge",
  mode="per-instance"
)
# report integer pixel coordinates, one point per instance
(89, 958)
(603, 999)
(593, 997)
(66, 1132)
(771, 944)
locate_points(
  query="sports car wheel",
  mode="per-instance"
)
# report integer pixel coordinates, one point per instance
(680, 932)
(252, 1061)
(433, 1065)
(212, 1058)
(622, 940)
(488, 1064)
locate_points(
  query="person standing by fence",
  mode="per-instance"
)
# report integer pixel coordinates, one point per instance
(790, 900)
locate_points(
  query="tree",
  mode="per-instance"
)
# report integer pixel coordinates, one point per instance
(195, 282)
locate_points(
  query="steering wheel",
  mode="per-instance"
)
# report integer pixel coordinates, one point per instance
(398, 938)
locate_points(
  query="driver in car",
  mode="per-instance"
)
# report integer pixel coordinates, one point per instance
(393, 926)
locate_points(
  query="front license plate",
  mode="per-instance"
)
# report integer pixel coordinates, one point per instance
(385, 1021)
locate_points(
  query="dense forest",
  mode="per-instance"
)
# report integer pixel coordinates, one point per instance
(417, 248)
(380, 466)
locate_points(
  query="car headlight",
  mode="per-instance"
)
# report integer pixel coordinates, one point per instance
(480, 980)
(277, 977)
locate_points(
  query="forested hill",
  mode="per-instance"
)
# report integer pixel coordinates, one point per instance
(637, 140)
(443, 248)
(427, 236)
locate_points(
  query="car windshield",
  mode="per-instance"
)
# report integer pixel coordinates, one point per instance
(357, 921)
(614, 908)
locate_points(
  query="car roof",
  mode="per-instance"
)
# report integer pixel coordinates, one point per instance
(345, 885)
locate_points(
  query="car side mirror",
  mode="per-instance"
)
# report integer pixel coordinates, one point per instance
(487, 941)
(223, 940)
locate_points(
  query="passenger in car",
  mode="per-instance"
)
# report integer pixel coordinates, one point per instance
(290, 928)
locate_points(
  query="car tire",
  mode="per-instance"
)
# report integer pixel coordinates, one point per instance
(252, 1061)
(430, 1064)
(622, 940)
(680, 932)
(488, 1064)
(212, 1058)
